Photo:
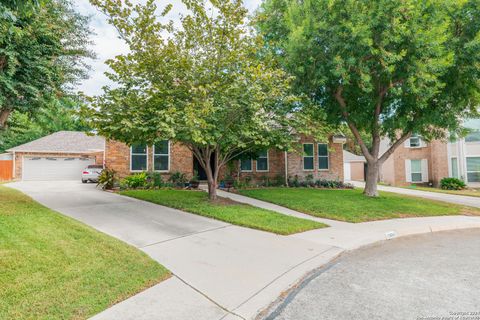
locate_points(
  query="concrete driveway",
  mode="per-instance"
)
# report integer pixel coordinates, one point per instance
(431, 276)
(220, 270)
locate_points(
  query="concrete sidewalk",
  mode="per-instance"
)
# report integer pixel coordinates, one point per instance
(452, 198)
(220, 271)
(349, 236)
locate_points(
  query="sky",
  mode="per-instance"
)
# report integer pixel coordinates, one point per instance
(107, 45)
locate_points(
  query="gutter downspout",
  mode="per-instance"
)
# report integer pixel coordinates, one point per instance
(104, 152)
(286, 168)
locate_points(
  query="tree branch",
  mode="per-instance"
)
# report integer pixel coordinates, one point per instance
(394, 146)
(351, 125)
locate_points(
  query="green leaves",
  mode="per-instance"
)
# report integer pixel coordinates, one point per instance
(409, 57)
(42, 44)
(201, 83)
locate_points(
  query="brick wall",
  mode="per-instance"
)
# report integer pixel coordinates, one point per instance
(436, 154)
(335, 152)
(117, 156)
(19, 157)
(276, 169)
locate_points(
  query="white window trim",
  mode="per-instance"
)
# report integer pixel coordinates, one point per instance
(412, 172)
(422, 143)
(327, 156)
(138, 154)
(251, 165)
(451, 167)
(303, 157)
(466, 167)
(268, 164)
(160, 154)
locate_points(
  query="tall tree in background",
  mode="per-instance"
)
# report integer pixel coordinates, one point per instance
(56, 115)
(201, 84)
(42, 46)
(387, 68)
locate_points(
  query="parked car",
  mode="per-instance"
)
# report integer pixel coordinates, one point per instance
(91, 173)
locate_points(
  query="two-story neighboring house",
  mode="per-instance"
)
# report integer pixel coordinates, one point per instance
(464, 156)
(421, 162)
(415, 162)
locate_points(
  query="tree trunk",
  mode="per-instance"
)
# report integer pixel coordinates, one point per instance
(212, 189)
(4, 113)
(211, 181)
(371, 181)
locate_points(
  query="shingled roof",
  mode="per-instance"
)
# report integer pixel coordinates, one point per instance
(350, 157)
(63, 142)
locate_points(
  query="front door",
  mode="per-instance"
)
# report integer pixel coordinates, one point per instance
(202, 175)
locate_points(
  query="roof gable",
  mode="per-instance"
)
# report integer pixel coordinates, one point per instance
(63, 142)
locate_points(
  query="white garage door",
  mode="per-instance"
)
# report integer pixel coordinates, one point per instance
(347, 171)
(41, 168)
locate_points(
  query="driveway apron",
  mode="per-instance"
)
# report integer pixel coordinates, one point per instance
(232, 271)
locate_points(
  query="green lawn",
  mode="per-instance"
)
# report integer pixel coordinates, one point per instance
(353, 206)
(53, 267)
(235, 213)
(466, 192)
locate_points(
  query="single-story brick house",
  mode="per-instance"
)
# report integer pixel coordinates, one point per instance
(63, 156)
(59, 156)
(321, 160)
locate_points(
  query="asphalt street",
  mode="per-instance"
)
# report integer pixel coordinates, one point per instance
(419, 277)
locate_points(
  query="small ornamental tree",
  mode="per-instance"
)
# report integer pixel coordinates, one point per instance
(385, 68)
(204, 83)
(42, 46)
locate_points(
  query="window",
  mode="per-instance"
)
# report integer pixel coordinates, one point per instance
(416, 170)
(161, 155)
(415, 142)
(138, 157)
(246, 165)
(262, 161)
(473, 169)
(323, 156)
(473, 136)
(308, 156)
(454, 167)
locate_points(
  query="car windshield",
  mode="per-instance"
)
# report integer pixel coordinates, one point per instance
(95, 167)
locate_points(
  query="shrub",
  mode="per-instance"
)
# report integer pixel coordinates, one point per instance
(309, 180)
(294, 182)
(279, 180)
(135, 181)
(107, 179)
(264, 181)
(155, 180)
(178, 179)
(452, 184)
(333, 184)
(195, 177)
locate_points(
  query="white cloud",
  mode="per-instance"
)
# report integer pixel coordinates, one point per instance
(107, 44)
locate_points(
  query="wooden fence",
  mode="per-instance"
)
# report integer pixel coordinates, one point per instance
(6, 170)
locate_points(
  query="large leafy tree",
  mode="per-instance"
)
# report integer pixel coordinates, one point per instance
(55, 115)
(386, 68)
(201, 83)
(42, 46)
